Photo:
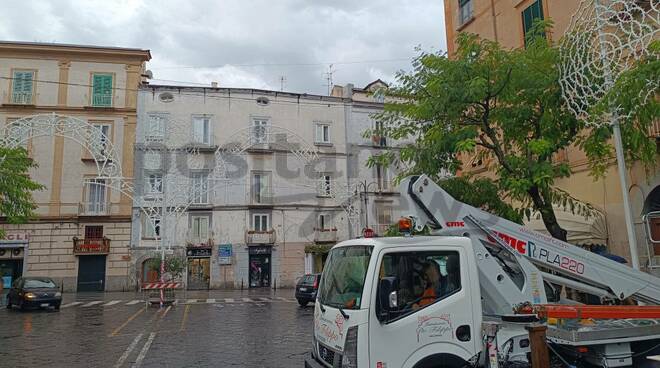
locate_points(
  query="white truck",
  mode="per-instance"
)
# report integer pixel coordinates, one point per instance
(447, 300)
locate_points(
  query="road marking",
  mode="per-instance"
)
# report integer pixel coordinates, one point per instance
(229, 300)
(259, 304)
(166, 310)
(128, 351)
(116, 331)
(282, 299)
(191, 301)
(92, 303)
(70, 304)
(134, 302)
(143, 352)
(210, 300)
(183, 320)
(265, 299)
(247, 300)
(111, 303)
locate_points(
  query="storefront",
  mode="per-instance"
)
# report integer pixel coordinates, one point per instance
(12, 257)
(259, 262)
(199, 267)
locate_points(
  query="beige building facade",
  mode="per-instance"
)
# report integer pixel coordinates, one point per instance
(74, 108)
(506, 22)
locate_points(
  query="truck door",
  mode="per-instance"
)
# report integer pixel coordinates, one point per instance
(433, 319)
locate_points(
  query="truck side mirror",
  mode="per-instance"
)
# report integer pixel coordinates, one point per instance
(387, 297)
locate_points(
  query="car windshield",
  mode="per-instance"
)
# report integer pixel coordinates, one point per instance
(38, 283)
(343, 277)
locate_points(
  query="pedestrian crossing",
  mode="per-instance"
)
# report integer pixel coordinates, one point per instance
(258, 301)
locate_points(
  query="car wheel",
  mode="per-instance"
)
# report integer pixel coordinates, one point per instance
(303, 303)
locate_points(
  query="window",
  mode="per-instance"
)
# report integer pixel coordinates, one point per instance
(199, 187)
(202, 129)
(259, 131)
(464, 11)
(22, 85)
(151, 227)
(529, 15)
(200, 228)
(261, 187)
(153, 183)
(155, 128)
(260, 222)
(325, 182)
(99, 138)
(383, 216)
(93, 232)
(423, 278)
(324, 222)
(102, 89)
(95, 197)
(379, 139)
(382, 178)
(322, 133)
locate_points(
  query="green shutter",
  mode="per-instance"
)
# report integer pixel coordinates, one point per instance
(529, 15)
(102, 90)
(22, 87)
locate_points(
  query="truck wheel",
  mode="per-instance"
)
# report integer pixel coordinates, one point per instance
(303, 303)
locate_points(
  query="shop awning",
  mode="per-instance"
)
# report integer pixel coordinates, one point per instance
(581, 230)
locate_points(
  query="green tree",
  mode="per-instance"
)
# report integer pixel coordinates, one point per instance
(16, 187)
(505, 107)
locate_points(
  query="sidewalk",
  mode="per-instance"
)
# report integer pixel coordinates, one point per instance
(181, 294)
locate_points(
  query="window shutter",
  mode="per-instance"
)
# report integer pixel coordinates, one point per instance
(203, 227)
(22, 82)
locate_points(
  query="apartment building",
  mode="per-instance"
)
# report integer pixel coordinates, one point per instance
(507, 22)
(252, 179)
(73, 107)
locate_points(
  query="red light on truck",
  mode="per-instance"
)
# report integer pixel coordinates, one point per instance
(405, 225)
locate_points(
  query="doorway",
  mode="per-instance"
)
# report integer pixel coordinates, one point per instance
(199, 273)
(259, 270)
(91, 273)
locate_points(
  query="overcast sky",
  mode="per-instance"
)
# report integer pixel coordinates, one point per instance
(229, 41)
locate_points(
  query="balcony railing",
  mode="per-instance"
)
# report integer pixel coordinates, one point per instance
(101, 100)
(260, 237)
(325, 235)
(264, 197)
(94, 209)
(91, 246)
(21, 98)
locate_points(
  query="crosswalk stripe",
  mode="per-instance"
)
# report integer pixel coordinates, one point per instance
(247, 300)
(134, 302)
(210, 300)
(111, 303)
(70, 304)
(229, 300)
(93, 303)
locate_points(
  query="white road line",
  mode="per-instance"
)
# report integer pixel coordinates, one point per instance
(210, 301)
(111, 303)
(70, 304)
(265, 299)
(191, 301)
(134, 302)
(93, 303)
(229, 300)
(247, 300)
(143, 352)
(128, 351)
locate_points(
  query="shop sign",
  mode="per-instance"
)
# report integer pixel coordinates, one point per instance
(12, 240)
(198, 252)
(260, 250)
(224, 254)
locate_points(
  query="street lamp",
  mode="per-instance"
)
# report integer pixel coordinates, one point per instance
(362, 188)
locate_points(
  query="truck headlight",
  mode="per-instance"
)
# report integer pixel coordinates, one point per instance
(349, 360)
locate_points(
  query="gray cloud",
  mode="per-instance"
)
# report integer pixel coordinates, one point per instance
(229, 41)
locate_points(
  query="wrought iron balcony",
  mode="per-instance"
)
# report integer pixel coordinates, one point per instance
(21, 98)
(261, 198)
(91, 246)
(325, 235)
(260, 237)
(94, 209)
(101, 100)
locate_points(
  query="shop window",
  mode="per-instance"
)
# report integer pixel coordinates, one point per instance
(422, 279)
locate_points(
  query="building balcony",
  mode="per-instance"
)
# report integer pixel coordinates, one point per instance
(260, 237)
(21, 98)
(325, 235)
(264, 198)
(101, 100)
(94, 209)
(91, 246)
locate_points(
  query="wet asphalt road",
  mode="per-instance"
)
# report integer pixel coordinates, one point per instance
(204, 329)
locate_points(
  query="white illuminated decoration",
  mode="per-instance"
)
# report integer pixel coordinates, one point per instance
(605, 39)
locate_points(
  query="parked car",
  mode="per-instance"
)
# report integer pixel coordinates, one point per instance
(306, 288)
(34, 292)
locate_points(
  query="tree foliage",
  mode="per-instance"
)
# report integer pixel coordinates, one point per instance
(503, 107)
(16, 187)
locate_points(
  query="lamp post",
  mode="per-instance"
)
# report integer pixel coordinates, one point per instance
(363, 188)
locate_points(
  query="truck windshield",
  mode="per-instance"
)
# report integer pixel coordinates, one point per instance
(343, 277)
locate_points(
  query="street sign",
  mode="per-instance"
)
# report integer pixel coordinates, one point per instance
(368, 232)
(224, 254)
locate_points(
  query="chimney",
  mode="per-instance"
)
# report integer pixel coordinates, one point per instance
(348, 90)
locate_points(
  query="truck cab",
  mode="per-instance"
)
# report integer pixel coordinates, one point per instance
(398, 302)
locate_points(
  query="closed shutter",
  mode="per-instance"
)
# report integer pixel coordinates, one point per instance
(102, 90)
(22, 87)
